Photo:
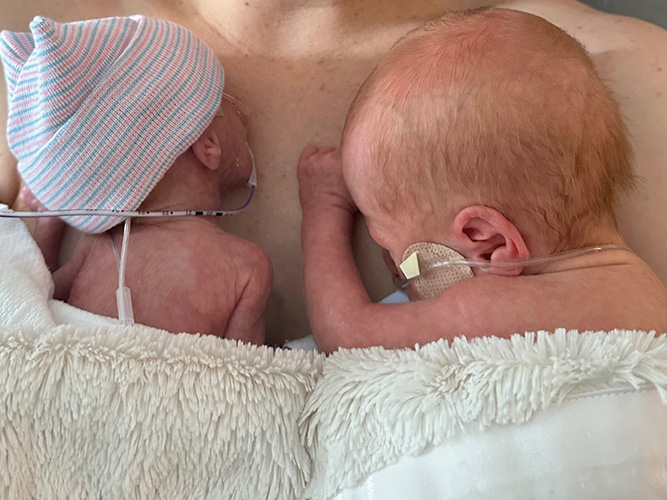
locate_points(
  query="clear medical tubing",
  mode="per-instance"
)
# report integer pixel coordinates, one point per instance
(252, 182)
(123, 295)
(123, 213)
(545, 259)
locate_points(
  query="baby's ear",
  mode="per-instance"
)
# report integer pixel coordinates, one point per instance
(207, 149)
(483, 233)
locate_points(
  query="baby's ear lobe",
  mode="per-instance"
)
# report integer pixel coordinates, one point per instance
(207, 149)
(483, 233)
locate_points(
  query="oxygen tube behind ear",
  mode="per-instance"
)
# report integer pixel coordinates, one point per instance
(534, 261)
(252, 180)
(433, 268)
(252, 183)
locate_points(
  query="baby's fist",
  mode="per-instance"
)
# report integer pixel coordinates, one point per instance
(321, 179)
(27, 200)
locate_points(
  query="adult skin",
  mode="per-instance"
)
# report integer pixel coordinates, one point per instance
(297, 65)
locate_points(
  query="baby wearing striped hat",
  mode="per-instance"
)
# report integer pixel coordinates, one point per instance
(128, 114)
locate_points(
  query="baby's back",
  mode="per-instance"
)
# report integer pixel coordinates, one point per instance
(622, 296)
(184, 275)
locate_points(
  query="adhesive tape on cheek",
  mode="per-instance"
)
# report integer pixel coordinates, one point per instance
(417, 265)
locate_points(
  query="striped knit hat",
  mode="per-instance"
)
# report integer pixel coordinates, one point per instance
(99, 110)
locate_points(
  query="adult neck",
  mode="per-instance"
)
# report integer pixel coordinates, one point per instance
(310, 26)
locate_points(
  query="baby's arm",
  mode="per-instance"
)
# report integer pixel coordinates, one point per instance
(63, 278)
(47, 231)
(340, 310)
(247, 320)
(48, 234)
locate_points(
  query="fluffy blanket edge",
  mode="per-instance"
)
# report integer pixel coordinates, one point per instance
(373, 406)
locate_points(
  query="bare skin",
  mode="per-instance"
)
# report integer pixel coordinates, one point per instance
(185, 274)
(626, 294)
(298, 63)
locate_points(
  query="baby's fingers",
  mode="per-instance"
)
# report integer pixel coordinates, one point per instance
(307, 152)
(28, 199)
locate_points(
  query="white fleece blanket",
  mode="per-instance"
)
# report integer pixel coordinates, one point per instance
(91, 409)
(405, 403)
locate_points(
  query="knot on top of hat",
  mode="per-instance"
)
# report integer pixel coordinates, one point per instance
(42, 27)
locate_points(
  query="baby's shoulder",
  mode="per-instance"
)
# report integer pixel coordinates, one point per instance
(199, 269)
(222, 244)
(602, 298)
(223, 254)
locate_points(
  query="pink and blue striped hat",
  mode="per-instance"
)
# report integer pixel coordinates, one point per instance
(100, 109)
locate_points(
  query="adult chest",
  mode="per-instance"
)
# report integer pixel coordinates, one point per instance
(294, 101)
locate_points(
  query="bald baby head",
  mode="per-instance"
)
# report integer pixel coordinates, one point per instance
(491, 107)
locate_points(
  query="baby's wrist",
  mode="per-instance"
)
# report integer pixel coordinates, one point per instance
(325, 206)
(322, 222)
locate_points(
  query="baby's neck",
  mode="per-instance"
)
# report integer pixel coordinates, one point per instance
(187, 185)
(605, 238)
(607, 256)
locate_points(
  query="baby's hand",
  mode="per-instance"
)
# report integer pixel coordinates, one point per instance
(321, 180)
(47, 231)
(27, 200)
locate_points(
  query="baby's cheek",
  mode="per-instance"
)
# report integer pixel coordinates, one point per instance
(386, 256)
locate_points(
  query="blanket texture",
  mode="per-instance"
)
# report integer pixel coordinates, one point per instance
(93, 409)
(373, 406)
(104, 413)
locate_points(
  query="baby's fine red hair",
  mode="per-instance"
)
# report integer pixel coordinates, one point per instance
(492, 107)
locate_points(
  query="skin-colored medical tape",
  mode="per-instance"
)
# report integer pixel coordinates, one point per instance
(430, 282)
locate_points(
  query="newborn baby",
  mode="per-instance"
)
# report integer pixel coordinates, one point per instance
(127, 114)
(487, 133)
